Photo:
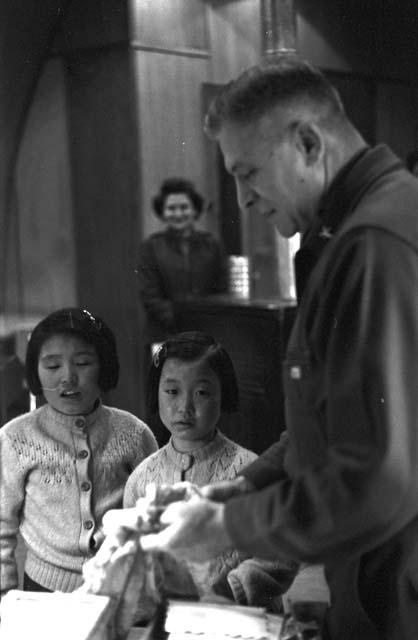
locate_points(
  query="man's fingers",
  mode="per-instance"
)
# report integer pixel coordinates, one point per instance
(167, 541)
(155, 541)
(222, 491)
(172, 519)
(116, 519)
(213, 492)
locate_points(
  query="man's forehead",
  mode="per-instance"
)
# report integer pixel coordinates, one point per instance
(241, 143)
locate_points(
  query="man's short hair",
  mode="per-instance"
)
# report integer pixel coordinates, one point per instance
(277, 80)
(191, 346)
(81, 323)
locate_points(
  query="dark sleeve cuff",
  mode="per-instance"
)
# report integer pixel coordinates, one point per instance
(268, 467)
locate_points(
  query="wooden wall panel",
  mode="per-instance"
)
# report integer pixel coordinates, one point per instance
(235, 37)
(10, 279)
(47, 252)
(170, 114)
(169, 24)
(26, 27)
(378, 37)
(338, 34)
(397, 46)
(104, 155)
(397, 117)
(92, 24)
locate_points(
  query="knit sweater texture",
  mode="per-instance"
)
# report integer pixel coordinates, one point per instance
(220, 459)
(59, 475)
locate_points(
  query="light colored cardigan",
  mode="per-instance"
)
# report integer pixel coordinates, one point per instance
(59, 474)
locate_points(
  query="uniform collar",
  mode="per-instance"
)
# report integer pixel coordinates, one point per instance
(343, 196)
(351, 183)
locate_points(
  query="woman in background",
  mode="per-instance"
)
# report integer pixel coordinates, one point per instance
(178, 262)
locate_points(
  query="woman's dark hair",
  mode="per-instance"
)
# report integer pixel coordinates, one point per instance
(82, 323)
(189, 346)
(177, 185)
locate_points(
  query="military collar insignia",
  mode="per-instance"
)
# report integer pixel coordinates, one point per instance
(325, 233)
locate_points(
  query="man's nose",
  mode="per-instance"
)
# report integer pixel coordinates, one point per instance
(245, 195)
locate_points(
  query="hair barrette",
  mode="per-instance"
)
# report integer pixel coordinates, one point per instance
(158, 354)
(92, 319)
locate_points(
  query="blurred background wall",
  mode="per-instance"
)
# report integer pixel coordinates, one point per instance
(101, 100)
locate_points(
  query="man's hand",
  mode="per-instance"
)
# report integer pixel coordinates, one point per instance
(223, 491)
(193, 530)
(120, 523)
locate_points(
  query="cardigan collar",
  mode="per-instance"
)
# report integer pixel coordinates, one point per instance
(185, 460)
(75, 423)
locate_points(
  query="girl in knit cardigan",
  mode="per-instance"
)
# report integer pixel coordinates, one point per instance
(63, 465)
(191, 382)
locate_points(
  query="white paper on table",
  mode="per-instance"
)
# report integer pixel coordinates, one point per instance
(211, 621)
(52, 616)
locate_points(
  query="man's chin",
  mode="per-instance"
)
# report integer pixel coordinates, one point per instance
(285, 232)
(286, 229)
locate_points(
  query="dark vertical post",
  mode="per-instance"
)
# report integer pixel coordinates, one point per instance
(103, 127)
(26, 31)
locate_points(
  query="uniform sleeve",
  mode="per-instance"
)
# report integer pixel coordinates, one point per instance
(151, 287)
(268, 468)
(363, 339)
(12, 496)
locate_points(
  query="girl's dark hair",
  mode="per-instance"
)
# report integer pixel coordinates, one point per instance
(189, 346)
(82, 323)
(177, 185)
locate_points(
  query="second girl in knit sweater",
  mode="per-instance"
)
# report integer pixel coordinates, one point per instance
(63, 465)
(191, 381)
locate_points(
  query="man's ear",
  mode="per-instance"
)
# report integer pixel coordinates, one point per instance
(310, 141)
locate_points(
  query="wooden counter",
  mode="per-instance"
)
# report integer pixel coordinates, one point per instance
(255, 333)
